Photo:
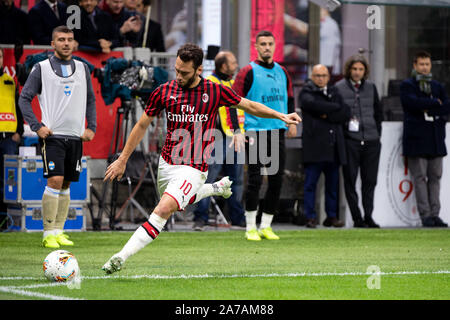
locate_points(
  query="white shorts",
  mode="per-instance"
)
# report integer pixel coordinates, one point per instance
(180, 182)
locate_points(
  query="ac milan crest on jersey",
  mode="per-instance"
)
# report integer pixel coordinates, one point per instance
(191, 116)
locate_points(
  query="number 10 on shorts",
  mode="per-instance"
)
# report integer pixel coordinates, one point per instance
(186, 187)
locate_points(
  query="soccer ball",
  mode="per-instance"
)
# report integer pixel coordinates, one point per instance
(61, 266)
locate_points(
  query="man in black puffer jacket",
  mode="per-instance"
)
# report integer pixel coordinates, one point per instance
(323, 143)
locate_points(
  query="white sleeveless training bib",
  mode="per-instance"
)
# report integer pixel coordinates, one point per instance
(63, 100)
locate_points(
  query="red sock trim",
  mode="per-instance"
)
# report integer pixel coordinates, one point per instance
(151, 230)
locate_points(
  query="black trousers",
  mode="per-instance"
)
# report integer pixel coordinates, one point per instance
(270, 153)
(363, 158)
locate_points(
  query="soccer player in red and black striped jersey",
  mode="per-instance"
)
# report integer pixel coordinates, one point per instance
(191, 104)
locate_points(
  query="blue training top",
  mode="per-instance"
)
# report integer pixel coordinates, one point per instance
(269, 88)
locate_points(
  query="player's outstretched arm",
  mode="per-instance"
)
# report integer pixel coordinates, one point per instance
(262, 111)
(117, 168)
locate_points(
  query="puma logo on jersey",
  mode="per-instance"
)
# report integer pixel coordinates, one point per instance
(173, 98)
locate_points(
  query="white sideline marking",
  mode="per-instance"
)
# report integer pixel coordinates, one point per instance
(225, 276)
(34, 294)
(19, 289)
(269, 275)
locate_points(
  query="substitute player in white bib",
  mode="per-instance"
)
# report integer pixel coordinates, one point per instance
(66, 99)
(191, 104)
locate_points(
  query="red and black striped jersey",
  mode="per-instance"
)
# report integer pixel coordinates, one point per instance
(191, 117)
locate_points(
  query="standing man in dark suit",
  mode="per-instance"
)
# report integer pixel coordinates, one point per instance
(44, 17)
(426, 109)
(362, 138)
(323, 113)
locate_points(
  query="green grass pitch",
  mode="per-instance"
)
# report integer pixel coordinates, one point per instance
(304, 264)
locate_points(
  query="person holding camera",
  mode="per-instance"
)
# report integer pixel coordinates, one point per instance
(66, 99)
(127, 24)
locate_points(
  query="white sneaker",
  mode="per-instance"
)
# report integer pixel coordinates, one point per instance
(223, 187)
(113, 264)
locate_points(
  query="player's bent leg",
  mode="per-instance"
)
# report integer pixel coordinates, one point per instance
(143, 235)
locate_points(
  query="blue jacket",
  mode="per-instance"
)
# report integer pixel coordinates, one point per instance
(422, 138)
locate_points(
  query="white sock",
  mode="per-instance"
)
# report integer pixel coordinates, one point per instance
(47, 233)
(205, 191)
(143, 235)
(250, 219)
(49, 209)
(57, 232)
(266, 220)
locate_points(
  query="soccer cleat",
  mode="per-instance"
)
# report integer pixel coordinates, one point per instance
(63, 240)
(50, 242)
(114, 264)
(223, 187)
(252, 235)
(268, 234)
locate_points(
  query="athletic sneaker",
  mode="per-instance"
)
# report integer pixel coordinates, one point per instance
(113, 264)
(50, 242)
(223, 187)
(252, 235)
(268, 234)
(63, 240)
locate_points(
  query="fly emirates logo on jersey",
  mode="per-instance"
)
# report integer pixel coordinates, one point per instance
(187, 115)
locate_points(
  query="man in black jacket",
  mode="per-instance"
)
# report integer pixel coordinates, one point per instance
(155, 37)
(97, 31)
(426, 109)
(44, 17)
(323, 143)
(13, 24)
(362, 138)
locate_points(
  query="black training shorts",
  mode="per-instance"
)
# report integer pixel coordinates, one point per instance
(61, 156)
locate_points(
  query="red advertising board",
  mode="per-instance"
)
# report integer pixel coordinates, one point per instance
(99, 147)
(268, 15)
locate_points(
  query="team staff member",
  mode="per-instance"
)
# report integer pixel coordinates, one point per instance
(265, 81)
(66, 99)
(362, 138)
(426, 110)
(191, 104)
(11, 121)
